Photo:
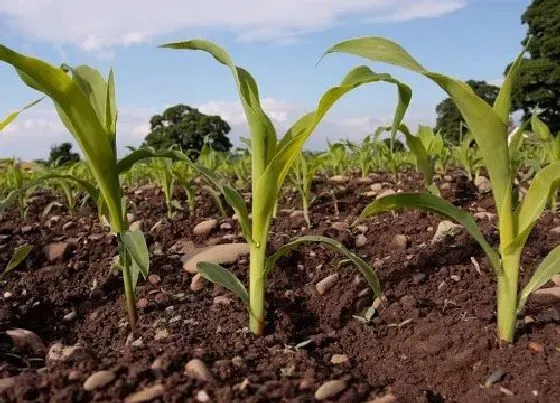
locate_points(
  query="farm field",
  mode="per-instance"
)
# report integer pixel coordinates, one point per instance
(433, 339)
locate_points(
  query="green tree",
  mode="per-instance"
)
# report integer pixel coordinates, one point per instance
(449, 119)
(62, 154)
(189, 129)
(538, 85)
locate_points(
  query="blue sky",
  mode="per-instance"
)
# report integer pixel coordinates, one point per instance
(278, 42)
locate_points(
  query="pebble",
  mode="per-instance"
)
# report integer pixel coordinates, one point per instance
(143, 302)
(158, 225)
(196, 369)
(146, 395)
(361, 240)
(536, 347)
(484, 215)
(225, 226)
(69, 316)
(399, 241)
(483, 184)
(456, 278)
(376, 187)
(325, 284)
(7, 383)
(56, 251)
(340, 225)
(338, 179)
(444, 229)
(26, 339)
(137, 225)
(339, 358)
(386, 192)
(202, 396)
(220, 254)
(546, 296)
(98, 380)
(161, 334)
(390, 398)
(330, 389)
(408, 301)
(197, 282)
(296, 214)
(362, 228)
(60, 352)
(205, 227)
(154, 279)
(74, 375)
(69, 225)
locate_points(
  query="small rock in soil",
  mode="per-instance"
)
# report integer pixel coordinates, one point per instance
(146, 395)
(386, 192)
(98, 380)
(158, 225)
(161, 334)
(362, 228)
(74, 375)
(339, 179)
(196, 369)
(56, 251)
(555, 230)
(26, 339)
(197, 282)
(408, 301)
(418, 278)
(205, 227)
(154, 279)
(143, 302)
(136, 225)
(361, 240)
(325, 284)
(70, 316)
(130, 217)
(60, 352)
(536, 347)
(7, 383)
(202, 396)
(445, 229)
(376, 187)
(484, 215)
(296, 214)
(483, 184)
(546, 296)
(340, 225)
(339, 359)
(400, 242)
(384, 399)
(220, 254)
(330, 389)
(225, 226)
(68, 225)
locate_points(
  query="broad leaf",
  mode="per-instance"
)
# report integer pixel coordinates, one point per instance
(419, 149)
(19, 256)
(435, 204)
(361, 264)
(548, 268)
(225, 278)
(540, 128)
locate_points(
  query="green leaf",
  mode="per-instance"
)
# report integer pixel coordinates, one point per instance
(540, 128)
(429, 202)
(502, 105)
(12, 116)
(135, 244)
(548, 268)
(361, 264)
(270, 183)
(418, 148)
(225, 278)
(545, 183)
(19, 256)
(85, 185)
(487, 126)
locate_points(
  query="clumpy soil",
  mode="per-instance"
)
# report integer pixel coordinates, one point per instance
(432, 340)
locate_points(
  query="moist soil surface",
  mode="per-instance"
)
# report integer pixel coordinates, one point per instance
(432, 340)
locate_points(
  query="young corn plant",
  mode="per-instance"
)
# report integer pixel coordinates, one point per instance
(271, 160)
(162, 171)
(85, 102)
(489, 127)
(337, 158)
(364, 154)
(302, 173)
(467, 155)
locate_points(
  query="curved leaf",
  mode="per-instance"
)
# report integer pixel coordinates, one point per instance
(19, 256)
(419, 149)
(135, 244)
(429, 202)
(548, 268)
(361, 264)
(288, 149)
(12, 116)
(217, 274)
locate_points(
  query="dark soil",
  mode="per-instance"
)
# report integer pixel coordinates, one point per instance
(433, 340)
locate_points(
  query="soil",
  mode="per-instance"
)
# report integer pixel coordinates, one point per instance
(433, 340)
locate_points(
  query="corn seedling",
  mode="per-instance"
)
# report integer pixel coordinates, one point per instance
(271, 160)
(85, 102)
(466, 154)
(162, 172)
(489, 127)
(364, 154)
(337, 161)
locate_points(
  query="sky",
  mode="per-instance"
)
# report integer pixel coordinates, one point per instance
(279, 42)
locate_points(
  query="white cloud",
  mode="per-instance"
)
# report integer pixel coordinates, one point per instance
(97, 26)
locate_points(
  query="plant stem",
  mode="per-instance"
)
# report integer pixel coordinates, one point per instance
(257, 260)
(305, 210)
(129, 295)
(507, 297)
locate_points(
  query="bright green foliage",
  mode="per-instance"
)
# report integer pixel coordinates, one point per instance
(12, 116)
(549, 143)
(366, 155)
(303, 170)
(85, 103)
(467, 156)
(338, 159)
(489, 127)
(18, 187)
(270, 163)
(162, 172)
(20, 254)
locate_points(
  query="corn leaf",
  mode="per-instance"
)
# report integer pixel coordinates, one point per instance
(19, 256)
(540, 128)
(12, 116)
(271, 181)
(486, 125)
(135, 244)
(217, 274)
(502, 105)
(361, 264)
(418, 147)
(548, 268)
(545, 183)
(87, 186)
(429, 202)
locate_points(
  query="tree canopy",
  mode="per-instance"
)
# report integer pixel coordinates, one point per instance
(537, 88)
(188, 128)
(449, 119)
(62, 154)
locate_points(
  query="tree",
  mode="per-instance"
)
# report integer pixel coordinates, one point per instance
(189, 129)
(449, 119)
(537, 89)
(62, 154)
